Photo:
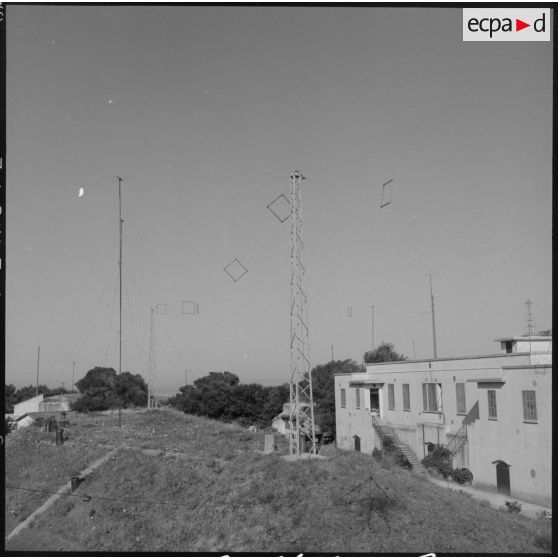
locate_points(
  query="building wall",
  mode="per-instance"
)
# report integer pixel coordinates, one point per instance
(524, 446)
(28, 406)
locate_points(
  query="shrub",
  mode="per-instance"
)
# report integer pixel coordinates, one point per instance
(513, 506)
(439, 460)
(389, 444)
(462, 475)
(390, 448)
(544, 516)
(376, 454)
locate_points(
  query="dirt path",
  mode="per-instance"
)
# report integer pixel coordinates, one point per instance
(495, 500)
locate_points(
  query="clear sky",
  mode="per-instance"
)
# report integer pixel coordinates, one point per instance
(205, 111)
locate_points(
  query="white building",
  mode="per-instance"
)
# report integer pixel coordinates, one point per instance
(31, 405)
(493, 412)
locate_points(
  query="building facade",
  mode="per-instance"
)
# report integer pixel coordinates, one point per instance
(492, 412)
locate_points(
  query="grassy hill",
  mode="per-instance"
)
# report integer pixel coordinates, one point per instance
(185, 484)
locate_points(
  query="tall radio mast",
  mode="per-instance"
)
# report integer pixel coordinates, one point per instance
(301, 419)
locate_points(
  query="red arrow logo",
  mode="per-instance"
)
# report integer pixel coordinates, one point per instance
(519, 25)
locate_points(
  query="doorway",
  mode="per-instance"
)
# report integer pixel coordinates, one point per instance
(503, 477)
(374, 400)
(357, 443)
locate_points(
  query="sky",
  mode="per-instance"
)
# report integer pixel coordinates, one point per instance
(204, 111)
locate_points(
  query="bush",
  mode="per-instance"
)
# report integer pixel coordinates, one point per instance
(376, 454)
(391, 448)
(462, 475)
(389, 445)
(439, 460)
(513, 507)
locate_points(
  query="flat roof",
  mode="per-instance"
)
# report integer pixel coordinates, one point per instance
(488, 380)
(527, 338)
(443, 359)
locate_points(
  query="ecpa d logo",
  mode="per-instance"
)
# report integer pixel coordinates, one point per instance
(521, 24)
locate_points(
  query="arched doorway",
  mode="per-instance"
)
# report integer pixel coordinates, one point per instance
(503, 477)
(357, 443)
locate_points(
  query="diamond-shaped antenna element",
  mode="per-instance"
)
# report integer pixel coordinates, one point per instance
(386, 194)
(280, 207)
(190, 307)
(235, 270)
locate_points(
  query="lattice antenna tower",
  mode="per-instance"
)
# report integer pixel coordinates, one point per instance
(301, 419)
(529, 322)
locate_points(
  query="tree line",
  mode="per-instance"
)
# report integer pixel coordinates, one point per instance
(218, 395)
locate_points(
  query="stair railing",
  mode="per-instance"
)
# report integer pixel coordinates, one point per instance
(457, 441)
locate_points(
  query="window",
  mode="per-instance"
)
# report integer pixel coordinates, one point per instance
(391, 396)
(432, 397)
(460, 395)
(406, 398)
(357, 398)
(529, 406)
(343, 398)
(492, 411)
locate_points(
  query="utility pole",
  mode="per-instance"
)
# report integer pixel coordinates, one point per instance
(37, 383)
(528, 321)
(301, 407)
(372, 307)
(433, 319)
(120, 223)
(332, 353)
(74, 362)
(151, 356)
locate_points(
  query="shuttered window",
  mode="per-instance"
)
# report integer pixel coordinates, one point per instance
(406, 398)
(391, 396)
(529, 406)
(343, 398)
(460, 396)
(357, 398)
(492, 410)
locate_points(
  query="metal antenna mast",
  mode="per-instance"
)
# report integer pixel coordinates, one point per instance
(120, 222)
(372, 307)
(301, 418)
(528, 319)
(433, 319)
(151, 357)
(38, 360)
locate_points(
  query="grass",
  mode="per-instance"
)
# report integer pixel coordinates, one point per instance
(210, 489)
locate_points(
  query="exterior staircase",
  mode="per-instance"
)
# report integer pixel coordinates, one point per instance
(457, 442)
(388, 436)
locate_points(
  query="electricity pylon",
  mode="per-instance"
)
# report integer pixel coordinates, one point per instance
(301, 413)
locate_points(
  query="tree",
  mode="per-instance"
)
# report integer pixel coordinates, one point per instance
(220, 395)
(323, 391)
(385, 352)
(102, 388)
(131, 390)
(10, 398)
